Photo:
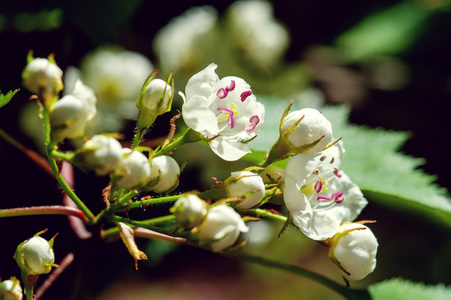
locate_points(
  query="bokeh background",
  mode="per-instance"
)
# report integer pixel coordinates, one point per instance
(389, 61)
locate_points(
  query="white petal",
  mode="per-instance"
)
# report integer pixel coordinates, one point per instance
(202, 83)
(199, 117)
(229, 151)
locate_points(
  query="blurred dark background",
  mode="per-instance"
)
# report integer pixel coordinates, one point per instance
(420, 104)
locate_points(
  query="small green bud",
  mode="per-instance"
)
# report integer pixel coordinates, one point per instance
(155, 101)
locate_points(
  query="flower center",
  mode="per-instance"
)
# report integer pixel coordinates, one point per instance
(227, 114)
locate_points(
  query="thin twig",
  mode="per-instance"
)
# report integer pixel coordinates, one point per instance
(67, 260)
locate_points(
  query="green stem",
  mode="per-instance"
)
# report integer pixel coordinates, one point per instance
(342, 290)
(50, 146)
(62, 155)
(152, 201)
(266, 214)
(125, 199)
(142, 224)
(43, 210)
(189, 136)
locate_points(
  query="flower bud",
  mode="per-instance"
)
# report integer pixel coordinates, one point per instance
(10, 289)
(312, 127)
(101, 154)
(354, 250)
(189, 210)
(133, 170)
(35, 256)
(221, 227)
(164, 175)
(246, 185)
(41, 75)
(70, 115)
(155, 101)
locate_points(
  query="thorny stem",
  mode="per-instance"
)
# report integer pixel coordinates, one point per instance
(152, 201)
(50, 146)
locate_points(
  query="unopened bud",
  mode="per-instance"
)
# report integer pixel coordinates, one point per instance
(246, 185)
(10, 289)
(155, 101)
(101, 154)
(354, 250)
(165, 173)
(189, 210)
(42, 76)
(311, 128)
(133, 170)
(221, 227)
(35, 256)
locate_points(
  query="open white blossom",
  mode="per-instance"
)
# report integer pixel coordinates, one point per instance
(133, 170)
(319, 196)
(35, 256)
(221, 227)
(70, 115)
(224, 111)
(166, 172)
(101, 154)
(354, 249)
(246, 185)
(312, 127)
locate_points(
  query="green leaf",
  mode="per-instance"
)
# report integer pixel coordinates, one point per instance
(386, 176)
(4, 99)
(401, 289)
(387, 32)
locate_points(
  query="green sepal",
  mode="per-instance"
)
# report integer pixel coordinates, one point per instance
(4, 99)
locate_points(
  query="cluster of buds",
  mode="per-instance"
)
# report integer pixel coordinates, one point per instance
(321, 199)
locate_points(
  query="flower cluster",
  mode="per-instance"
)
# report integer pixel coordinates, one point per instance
(320, 198)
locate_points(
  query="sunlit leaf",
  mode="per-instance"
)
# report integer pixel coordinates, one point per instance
(401, 289)
(4, 99)
(387, 32)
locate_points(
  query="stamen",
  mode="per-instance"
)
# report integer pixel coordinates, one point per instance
(337, 197)
(315, 172)
(245, 94)
(222, 93)
(318, 186)
(254, 121)
(337, 172)
(322, 197)
(231, 87)
(332, 160)
(230, 113)
(322, 158)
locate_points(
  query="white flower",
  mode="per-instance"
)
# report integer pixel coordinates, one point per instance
(41, 75)
(177, 43)
(221, 227)
(318, 195)
(224, 111)
(258, 34)
(35, 256)
(166, 172)
(133, 170)
(70, 115)
(10, 289)
(189, 210)
(152, 103)
(101, 154)
(312, 127)
(354, 248)
(246, 185)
